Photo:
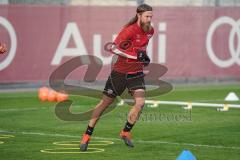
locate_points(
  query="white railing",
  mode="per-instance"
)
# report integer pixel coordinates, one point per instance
(188, 105)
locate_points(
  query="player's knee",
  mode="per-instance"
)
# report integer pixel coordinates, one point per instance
(140, 104)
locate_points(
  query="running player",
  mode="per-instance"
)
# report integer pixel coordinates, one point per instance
(127, 72)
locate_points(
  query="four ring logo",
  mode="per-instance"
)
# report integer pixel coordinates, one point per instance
(235, 31)
(11, 54)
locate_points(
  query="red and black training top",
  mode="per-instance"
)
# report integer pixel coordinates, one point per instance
(138, 40)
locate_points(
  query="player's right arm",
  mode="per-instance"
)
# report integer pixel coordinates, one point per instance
(123, 45)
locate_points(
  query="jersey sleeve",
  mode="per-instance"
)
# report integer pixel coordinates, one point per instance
(124, 41)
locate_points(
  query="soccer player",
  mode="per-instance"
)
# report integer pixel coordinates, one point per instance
(127, 72)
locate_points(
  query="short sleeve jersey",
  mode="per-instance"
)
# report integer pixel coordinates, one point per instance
(138, 40)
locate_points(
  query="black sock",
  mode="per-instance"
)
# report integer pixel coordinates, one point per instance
(128, 127)
(89, 130)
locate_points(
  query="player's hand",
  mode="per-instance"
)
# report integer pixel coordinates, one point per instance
(143, 57)
(3, 48)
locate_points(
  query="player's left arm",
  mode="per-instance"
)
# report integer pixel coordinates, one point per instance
(142, 54)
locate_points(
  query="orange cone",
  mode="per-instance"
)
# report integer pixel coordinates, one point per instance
(43, 93)
(52, 95)
(62, 96)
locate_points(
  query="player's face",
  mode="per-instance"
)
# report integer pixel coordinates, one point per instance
(146, 17)
(145, 20)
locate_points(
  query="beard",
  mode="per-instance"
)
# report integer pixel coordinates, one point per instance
(145, 26)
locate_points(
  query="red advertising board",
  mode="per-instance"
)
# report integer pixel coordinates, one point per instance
(192, 42)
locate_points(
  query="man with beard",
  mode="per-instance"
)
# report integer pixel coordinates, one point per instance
(130, 45)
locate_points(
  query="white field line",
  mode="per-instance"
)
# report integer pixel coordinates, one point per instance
(116, 139)
(19, 109)
(38, 108)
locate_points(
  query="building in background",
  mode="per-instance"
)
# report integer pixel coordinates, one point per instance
(129, 2)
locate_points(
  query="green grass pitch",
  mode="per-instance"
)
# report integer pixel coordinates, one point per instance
(161, 133)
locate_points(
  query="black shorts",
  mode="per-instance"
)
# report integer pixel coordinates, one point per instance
(118, 82)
